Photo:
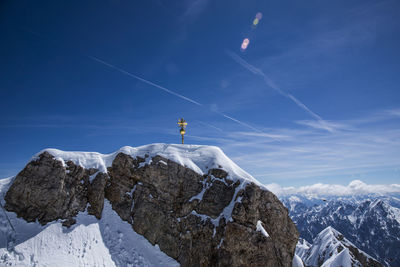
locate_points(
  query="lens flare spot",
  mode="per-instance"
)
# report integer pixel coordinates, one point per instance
(259, 16)
(245, 43)
(255, 21)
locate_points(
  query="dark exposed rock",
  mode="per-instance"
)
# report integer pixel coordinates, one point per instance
(96, 194)
(199, 220)
(161, 197)
(45, 190)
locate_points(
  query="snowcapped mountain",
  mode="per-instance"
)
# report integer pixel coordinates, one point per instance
(331, 248)
(155, 205)
(371, 222)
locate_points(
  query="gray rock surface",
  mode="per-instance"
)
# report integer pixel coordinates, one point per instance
(199, 220)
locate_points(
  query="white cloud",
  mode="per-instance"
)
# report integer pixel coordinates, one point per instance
(355, 187)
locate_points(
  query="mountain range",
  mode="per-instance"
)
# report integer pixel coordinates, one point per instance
(370, 223)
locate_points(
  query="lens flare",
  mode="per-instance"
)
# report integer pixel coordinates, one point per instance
(255, 21)
(259, 16)
(245, 43)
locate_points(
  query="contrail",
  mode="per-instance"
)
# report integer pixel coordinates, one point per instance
(301, 105)
(209, 125)
(144, 80)
(98, 60)
(169, 91)
(274, 86)
(238, 121)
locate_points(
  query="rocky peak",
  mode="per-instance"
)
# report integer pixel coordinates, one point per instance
(192, 201)
(331, 248)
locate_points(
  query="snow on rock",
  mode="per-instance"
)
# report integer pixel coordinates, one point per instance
(261, 229)
(302, 248)
(343, 259)
(199, 158)
(90, 242)
(297, 262)
(331, 249)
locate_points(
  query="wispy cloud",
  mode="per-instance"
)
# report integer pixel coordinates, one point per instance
(300, 153)
(393, 112)
(193, 8)
(324, 125)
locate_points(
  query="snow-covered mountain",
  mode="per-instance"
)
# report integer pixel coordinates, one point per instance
(331, 248)
(155, 205)
(371, 222)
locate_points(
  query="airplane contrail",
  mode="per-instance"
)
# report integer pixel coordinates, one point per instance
(238, 121)
(144, 80)
(169, 91)
(209, 125)
(98, 60)
(274, 86)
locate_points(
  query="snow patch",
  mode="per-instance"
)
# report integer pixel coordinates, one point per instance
(91, 177)
(261, 229)
(297, 262)
(163, 162)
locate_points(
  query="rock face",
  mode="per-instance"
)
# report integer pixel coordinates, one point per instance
(45, 190)
(199, 220)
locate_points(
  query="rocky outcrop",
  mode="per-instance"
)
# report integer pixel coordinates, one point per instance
(46, 190)
(199, 220)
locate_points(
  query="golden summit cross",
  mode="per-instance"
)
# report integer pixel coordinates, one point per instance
(182, 123)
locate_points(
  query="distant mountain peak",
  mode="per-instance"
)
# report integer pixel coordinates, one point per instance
(370, 222)
(331, 248)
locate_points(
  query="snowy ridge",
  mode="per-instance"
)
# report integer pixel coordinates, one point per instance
(331, 248)
(198, 158)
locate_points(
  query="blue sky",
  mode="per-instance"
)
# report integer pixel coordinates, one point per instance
(314, 98)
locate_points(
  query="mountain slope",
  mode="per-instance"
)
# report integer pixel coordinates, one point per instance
(331, 248)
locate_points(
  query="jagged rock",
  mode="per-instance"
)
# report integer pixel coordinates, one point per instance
(45, 190)
(96, 194)
(199, 220)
